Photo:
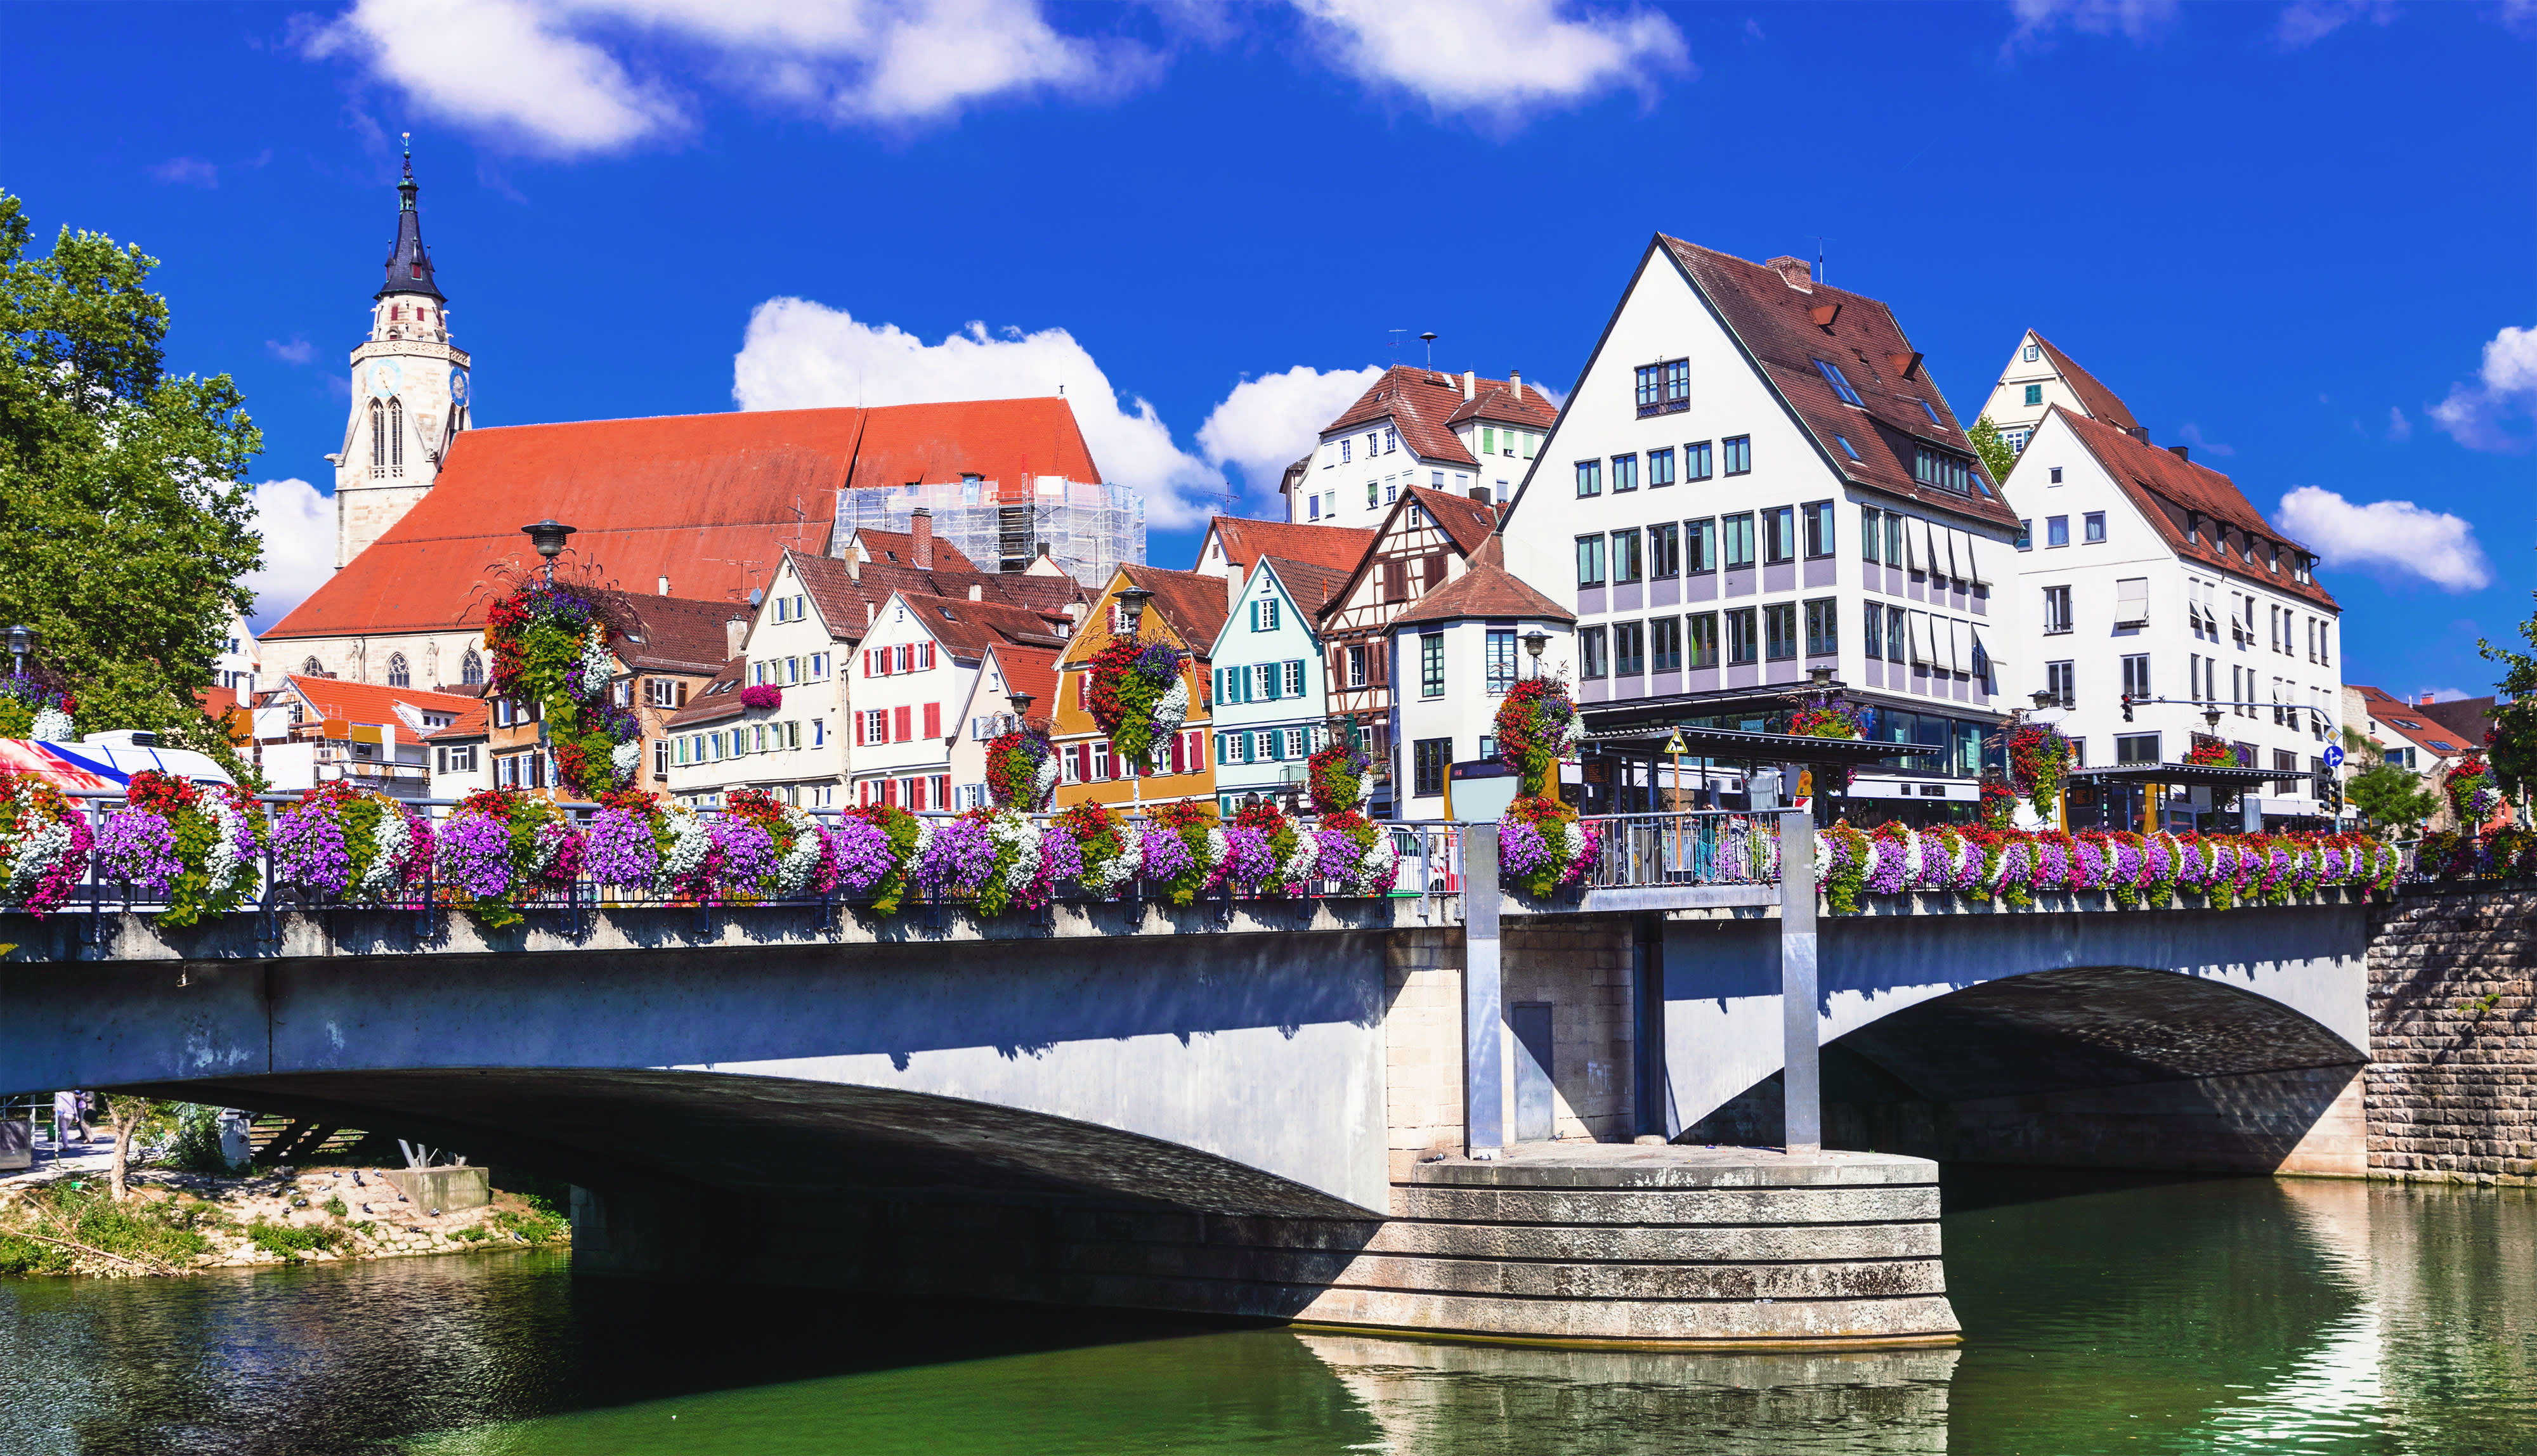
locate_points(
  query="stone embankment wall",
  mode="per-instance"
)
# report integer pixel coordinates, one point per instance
(2451, 1092)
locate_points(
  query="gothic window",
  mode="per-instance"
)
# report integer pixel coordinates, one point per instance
(378, 437)
(396, 437)
(399, 675)
(312, 669)
(471, 669)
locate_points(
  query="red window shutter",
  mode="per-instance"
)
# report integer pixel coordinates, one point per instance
(1083, 690)
(916, 795)
(1380, 668)
(942, 791)
(932, 718)
(863, 794)
(899, 725)
(1436, 571)
(1338, 666)
(1175, 753)
(929, 656)
(889, 791)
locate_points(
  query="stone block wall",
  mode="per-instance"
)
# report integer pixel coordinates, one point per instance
(2451, 1089)
(1422, 1046)
(1581, 966)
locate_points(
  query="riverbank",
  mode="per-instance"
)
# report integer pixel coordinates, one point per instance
(63, 1220)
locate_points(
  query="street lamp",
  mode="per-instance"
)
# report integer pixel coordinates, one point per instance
(20, 638)
(2211, 716)
(1131, 607)
(1021, 707)
(1821, 676)
(1534, 641)
(2044, 697)
(547, 536)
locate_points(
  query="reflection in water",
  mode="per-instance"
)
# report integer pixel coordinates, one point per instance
(2200, 1316)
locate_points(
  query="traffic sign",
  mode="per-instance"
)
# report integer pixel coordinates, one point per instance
(1674, 744)
(2334, 755)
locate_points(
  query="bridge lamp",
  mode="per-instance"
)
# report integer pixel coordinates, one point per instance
(2211, 716)
(20, 637)
(1820, 677)
(1131, 607)
(1534, 641)
(548, 537)
(2044, 697)
(1021, 707)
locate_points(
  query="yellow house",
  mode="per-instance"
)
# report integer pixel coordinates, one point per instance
(1187, 610)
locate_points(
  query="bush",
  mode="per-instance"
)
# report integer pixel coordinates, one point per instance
(535, 1221)
(196, 1146)
(149, 1231)
(293, 1241)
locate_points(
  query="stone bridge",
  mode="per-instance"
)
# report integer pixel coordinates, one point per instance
(1260, 1110)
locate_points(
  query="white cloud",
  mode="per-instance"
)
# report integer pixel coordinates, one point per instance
(2134, 19)
(1266, 425)
(1501, 60)
(798, 355)
(192, 171)
(561, 76)
(2476, 415)
(2390, 537)
(298, 351)
(297, 523)
(2307, 21)
(2191, 434)
(2400, 428)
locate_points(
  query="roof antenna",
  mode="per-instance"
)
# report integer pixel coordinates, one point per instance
(1429, 338)
(1819, 278)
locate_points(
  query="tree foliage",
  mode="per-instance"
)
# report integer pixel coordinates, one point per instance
(1996, 454)
(2392, 796)
(123, 522)
(2512, 751)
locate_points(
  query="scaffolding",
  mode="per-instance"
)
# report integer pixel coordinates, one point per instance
(1090, 528)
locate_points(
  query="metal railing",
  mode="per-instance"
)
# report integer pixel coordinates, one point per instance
(1709, 847)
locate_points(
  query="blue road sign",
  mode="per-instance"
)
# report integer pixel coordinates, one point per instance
(2334, 755)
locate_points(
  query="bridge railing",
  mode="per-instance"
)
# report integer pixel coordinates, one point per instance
(1707, 847)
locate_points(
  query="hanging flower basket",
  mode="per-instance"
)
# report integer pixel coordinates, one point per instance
(1538, 726)
(2039, 760)
(761, 695)
(1138, 696)
(549, 646)
(1828, 718)
(1338, 776)
(45, 844)
(192, 845)
(340, 842)
(2211, 753)
(1542, 846)
(1021, 770)
(2472, 791)
(30, 707)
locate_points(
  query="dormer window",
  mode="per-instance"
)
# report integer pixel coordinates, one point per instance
(1663, 388)
(1840, 385)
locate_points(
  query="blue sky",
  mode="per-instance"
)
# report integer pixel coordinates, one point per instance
(2295, 234)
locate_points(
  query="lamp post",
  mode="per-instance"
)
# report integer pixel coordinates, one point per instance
(1132, 614)
(1534, 641)
(1021, 709)
(20, 638)
(548, 537)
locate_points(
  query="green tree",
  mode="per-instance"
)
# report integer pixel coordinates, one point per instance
(2391, 796)
(123, 522)
(1996, 454)
(2513, 751)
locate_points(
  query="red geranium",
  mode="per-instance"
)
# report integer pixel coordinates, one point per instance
(160, 793)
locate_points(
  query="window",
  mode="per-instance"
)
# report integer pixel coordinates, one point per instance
(1488, 439)
(1431, 664)
(1846, 447)
(1932, 413)
(1590, 477)
(1740, 540)
(1840, 386)
(2026, 534)
(1898, 635)
(1780, 631)
(1664, 551)
(2056, 530)
(1427, 760)
(1703, 631)
(471, 669)
(2136, 675)
(1665, 646)
(1822, 627)
(2131, 601)
(378, 438)
(1344, 450)
(1356, 667)
(1629, 649)
(1313, 507)
(1946, 471)
(1498, 658)
(1590, 661)
(1665, 387)
(1778, 535)
(399, 674)
(1264, 615)
(1873, 638)
(2055, 477)
(2136, 748)
(1626, 564)
(1743, 645)
(2062, 680)
(1739, 455)
(2092, 526)
(1295, 742)
(1625, 473)
(2015, 439)
(1893, 537)
(1700, 542)
(1659, 468)
(1294, 675)
(1695, 461)
(2056, 610)
(2033, 352)
(1871, 531)
(1818, 523)
(1370, 499)
(1590, 561)
(2035, 394)
(1391, 440)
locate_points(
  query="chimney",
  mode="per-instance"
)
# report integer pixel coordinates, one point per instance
(1233, 584)
(921, 526)
(1797, 272)
(2180, 451)
(854, 566)
(734, 633)
(1470, 383)
(664, 586)
(2138, 432)
(1515, 383)
(977, 592)
(1481, 493)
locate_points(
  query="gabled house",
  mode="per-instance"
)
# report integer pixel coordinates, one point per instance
(2409, 736)
(1416, 427)
(1233, 544)
(311, 730)
(2146, 576)
(1460, 648)
(1187, 610)
(2040, 377)
(459, 756)
(1756, 480)
(914, 675)
(1272, 679)
(1421, 544)
(1006, 670)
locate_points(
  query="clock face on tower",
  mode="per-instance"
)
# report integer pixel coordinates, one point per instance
(458, 386)
(386, 376)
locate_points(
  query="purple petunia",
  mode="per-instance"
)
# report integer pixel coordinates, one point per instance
(862, 854)
(476, 856)
(308, 851)
(1159, 664)
(748, 852)
(1167, 856)
(960, 857)
(1522, 850)
(139, 848)
(1060, 855)
(621, 851)
(1247, 859)
(1886, 865)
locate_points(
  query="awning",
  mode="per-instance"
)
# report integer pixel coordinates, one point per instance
(2216, 776)
(1739, 745)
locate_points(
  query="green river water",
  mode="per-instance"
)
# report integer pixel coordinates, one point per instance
(2098, 1315)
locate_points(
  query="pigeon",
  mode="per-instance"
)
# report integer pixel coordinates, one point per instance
(299, 1203)
(356, 1179)
(432, 1213)
(401, 1198)
(365, 1208)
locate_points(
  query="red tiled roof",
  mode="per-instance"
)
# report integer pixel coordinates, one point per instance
(367, 702)
(2149, 475)
(1193, 604)
(673, 634)
(1311, 583)
(969, 628)
(2101, 402)
(1777, 323)
(1485, 589)
(1246, 540)
(2415, 724)
(1469, 522)
(710, 501)
(472, 723)
(899, 549)
(843, 593)
(1030, 669)
(1425, 405)
(704, 707)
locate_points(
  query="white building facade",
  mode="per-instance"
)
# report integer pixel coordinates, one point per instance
(1418, 428)
(1454, 654)
(2040, 377)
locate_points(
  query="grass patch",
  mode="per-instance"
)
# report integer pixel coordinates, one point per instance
(335, 1206)
(293, 1241)
(534, 1220)
(155, 1232)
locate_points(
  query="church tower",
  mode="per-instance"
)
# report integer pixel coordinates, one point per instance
(410, 392)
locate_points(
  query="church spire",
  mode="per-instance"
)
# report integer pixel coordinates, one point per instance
(410, 265)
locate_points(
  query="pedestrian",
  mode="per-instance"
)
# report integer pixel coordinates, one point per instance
(66, 1123)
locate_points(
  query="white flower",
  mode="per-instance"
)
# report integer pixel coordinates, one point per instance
(1011, 829)
(229, 859)
(1374, 872)
(1217, 848)
(792, 871)
(1823, 859)
(1305, 863)
(53, 726)
(623, 757)
(1911, 859)
(1572, 841)
(596, 672)
(1171, 709)
(1043, 781)
(1122, 868)
(689, 843)
(391, 841)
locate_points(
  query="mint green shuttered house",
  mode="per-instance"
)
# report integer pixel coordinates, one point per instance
(1271, 689)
